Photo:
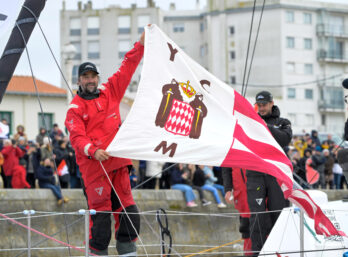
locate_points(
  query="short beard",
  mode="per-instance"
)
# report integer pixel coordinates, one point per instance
(86, 90)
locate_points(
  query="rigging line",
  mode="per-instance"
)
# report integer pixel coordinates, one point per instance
(43, 118)
(45, 239)
(49, 47)
(144, 182)
(44, 235)
(247, 56)
(125, 211)
(255, 43)
(214, 248)
(294, 84)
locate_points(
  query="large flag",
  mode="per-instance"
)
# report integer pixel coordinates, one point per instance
(184, 114)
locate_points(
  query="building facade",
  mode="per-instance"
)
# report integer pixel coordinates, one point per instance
(301, 53)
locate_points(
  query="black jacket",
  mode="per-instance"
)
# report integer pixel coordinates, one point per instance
(45, 175)
(279, 127)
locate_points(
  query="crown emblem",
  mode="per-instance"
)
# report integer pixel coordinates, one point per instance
(188, 90)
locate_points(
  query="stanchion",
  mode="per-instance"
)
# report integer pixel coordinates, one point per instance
(87, 214)
(29, 213)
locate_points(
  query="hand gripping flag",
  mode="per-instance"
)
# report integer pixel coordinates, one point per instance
(184, 114)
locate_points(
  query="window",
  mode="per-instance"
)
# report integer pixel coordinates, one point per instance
(123, 48)
(124, 23)
(291, 93)
(233, 80)
(45, 120)
(307, 42)
(75, 74)
(77, 46)
(308, 68)
(231, 30)
(323, 119)
(75, 27)
(293, 118)
(232, 55)
(8, 117)
(290, 17)
(307, 18)
(179, 27)
(93, 25)
(309, 120)
(290, 42)
(202, 51)
(290, 67)
(309, 93)
(335, 48)
(201, 26)
(93, 50)
(143, 20)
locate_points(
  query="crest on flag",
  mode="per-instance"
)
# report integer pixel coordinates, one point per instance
(178, 113)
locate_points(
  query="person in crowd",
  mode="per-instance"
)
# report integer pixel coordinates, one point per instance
(61, 155)
(263, 190)
(190, 169)
(180, 181)
(92, 125)
(133, 178)
(74, 171)
(337, 171)
(210, 181)
(56, 134)
(46, 150)
(199, 180)
(141, 172)
(12, 153)
(318, 163)
(20, 133)
(152, 174)
(315, 138)
(301, 167)
(19, 176)
(32, 158)
(40, 136)
(234, 181)
(301, 145)
(329, 163)
(164, 181)
(46, 178)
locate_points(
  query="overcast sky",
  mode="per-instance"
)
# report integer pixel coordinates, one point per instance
(43, 64)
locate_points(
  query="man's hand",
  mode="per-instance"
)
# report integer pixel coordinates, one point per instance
(142, 37)
(101, 155)
(229, 197)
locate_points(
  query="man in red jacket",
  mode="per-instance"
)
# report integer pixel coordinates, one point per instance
(11, 154)
(93, 119)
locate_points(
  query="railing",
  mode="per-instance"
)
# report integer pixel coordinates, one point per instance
(332, 30)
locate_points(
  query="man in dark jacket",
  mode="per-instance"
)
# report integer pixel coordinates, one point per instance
(261, 186)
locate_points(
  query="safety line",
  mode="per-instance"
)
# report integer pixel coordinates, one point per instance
(42, 234)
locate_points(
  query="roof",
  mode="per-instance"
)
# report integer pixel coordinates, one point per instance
(24, 85)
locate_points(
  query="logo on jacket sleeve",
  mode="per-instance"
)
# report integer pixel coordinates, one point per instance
(182, 110)
(99, 190)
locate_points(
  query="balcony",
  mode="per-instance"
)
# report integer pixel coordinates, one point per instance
(329, 30)
(331, 56)
(331, 99)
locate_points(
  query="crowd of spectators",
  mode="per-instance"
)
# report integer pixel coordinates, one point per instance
(35, 164)
(308, 152)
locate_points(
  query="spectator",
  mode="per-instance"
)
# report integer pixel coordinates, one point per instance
(179, 181)
(329, 162)
(19, 176)
(301, 145)
(164, 181)
(302, 164)
(200, 178)
(11, 154)
(190, 169)
(133, 178)
(337, 172)
(152, 174)
(47, 180)
(40, 136)
(74, 171)
(315, 138)
(62, 154)
(20, 133)
(46, 150)
(56, 134)
(318, 163)
(32, 158)
(142, 170)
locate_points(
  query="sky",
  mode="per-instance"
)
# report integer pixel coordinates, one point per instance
(43, 63)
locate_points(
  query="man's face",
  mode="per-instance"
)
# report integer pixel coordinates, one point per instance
(265, 108)
(89, 81)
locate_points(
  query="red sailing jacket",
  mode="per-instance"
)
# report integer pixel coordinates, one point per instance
(240, 197)
(93, 124)
(11, 155)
